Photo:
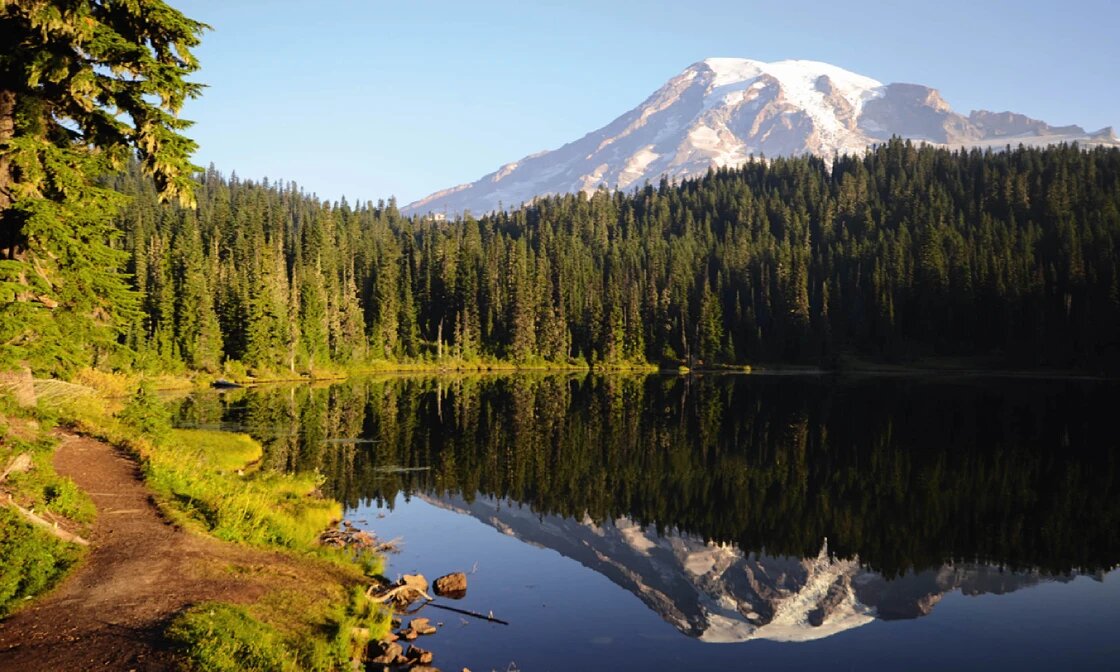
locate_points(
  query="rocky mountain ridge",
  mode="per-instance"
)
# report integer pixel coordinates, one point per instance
(726, 111)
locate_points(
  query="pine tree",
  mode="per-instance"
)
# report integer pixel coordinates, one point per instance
(82, 84)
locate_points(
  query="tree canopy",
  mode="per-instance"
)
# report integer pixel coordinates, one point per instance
(84, 85)
(903, 253)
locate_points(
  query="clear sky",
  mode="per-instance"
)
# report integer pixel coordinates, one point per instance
(375, 99)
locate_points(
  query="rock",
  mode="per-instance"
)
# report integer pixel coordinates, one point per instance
(422, 656)
(20, 385)
(421, 626)
(388, 653)
(452, 585)
(423, 668)
(408, 634)
(416, 581)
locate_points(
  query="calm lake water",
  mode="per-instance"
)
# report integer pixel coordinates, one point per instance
(729, 522)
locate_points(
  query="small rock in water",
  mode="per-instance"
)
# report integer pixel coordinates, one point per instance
(452, 585)
(387, 652)
(422, 656)
(421, 626)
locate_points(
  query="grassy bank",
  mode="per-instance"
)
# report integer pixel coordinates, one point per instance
(31, 560)
(312, 612)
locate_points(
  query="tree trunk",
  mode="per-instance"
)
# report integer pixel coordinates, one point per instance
(439, 341)
(9, 237)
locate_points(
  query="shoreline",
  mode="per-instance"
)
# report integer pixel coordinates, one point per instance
(254, 540)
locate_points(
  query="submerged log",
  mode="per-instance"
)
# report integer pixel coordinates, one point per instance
(465, 612)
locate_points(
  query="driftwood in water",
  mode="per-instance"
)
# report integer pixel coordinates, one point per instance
(410, 588)
(466, 612)
(43, 523)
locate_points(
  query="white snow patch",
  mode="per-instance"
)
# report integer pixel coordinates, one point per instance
(590, 182)
(506, 170)
(724, 630)
(700, 562)
(634, 536)
(733, 77)
(636, 166)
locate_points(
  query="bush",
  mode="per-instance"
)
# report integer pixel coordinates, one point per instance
(147, 414)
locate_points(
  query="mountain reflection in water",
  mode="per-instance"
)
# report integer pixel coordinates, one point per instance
(719, 593)
(709, 497)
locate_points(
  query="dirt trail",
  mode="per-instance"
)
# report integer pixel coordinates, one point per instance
(140, 571)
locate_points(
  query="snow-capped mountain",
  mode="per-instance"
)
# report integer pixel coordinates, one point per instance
(718, 593)
(722, 111)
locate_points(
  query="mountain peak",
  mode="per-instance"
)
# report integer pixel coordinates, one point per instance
(721, 111)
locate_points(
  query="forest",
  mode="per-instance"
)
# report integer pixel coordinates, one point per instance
(905, 252)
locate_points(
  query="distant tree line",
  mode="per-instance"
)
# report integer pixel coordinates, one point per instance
(903, 252)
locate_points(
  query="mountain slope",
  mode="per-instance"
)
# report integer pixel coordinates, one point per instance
(722, 111)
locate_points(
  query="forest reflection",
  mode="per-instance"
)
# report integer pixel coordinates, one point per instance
(905, 473)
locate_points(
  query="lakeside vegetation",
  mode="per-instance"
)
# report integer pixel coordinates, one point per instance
(207, 483)
(32, 561)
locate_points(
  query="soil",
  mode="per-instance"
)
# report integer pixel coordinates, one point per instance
(141, 570)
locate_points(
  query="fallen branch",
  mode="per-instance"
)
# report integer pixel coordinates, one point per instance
(398, 591)
(19, 465)
(468, 613)
(46, 525)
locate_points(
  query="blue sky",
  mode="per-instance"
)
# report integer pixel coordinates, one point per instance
(376, 99)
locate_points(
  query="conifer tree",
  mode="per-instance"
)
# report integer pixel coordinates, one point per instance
(83, 83)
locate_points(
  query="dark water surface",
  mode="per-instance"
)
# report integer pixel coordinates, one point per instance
(729, 522)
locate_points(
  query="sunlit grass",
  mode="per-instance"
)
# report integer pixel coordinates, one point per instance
(31, 560)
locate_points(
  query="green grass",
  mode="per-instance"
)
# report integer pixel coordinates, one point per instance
(206, 481)
(203, 479)
(220, 637)
(226, 638)
(31, 561)
(224, 452)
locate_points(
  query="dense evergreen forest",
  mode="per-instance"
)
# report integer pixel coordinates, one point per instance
(902, 253)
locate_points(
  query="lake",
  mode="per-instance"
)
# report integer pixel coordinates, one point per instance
(728, 521)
